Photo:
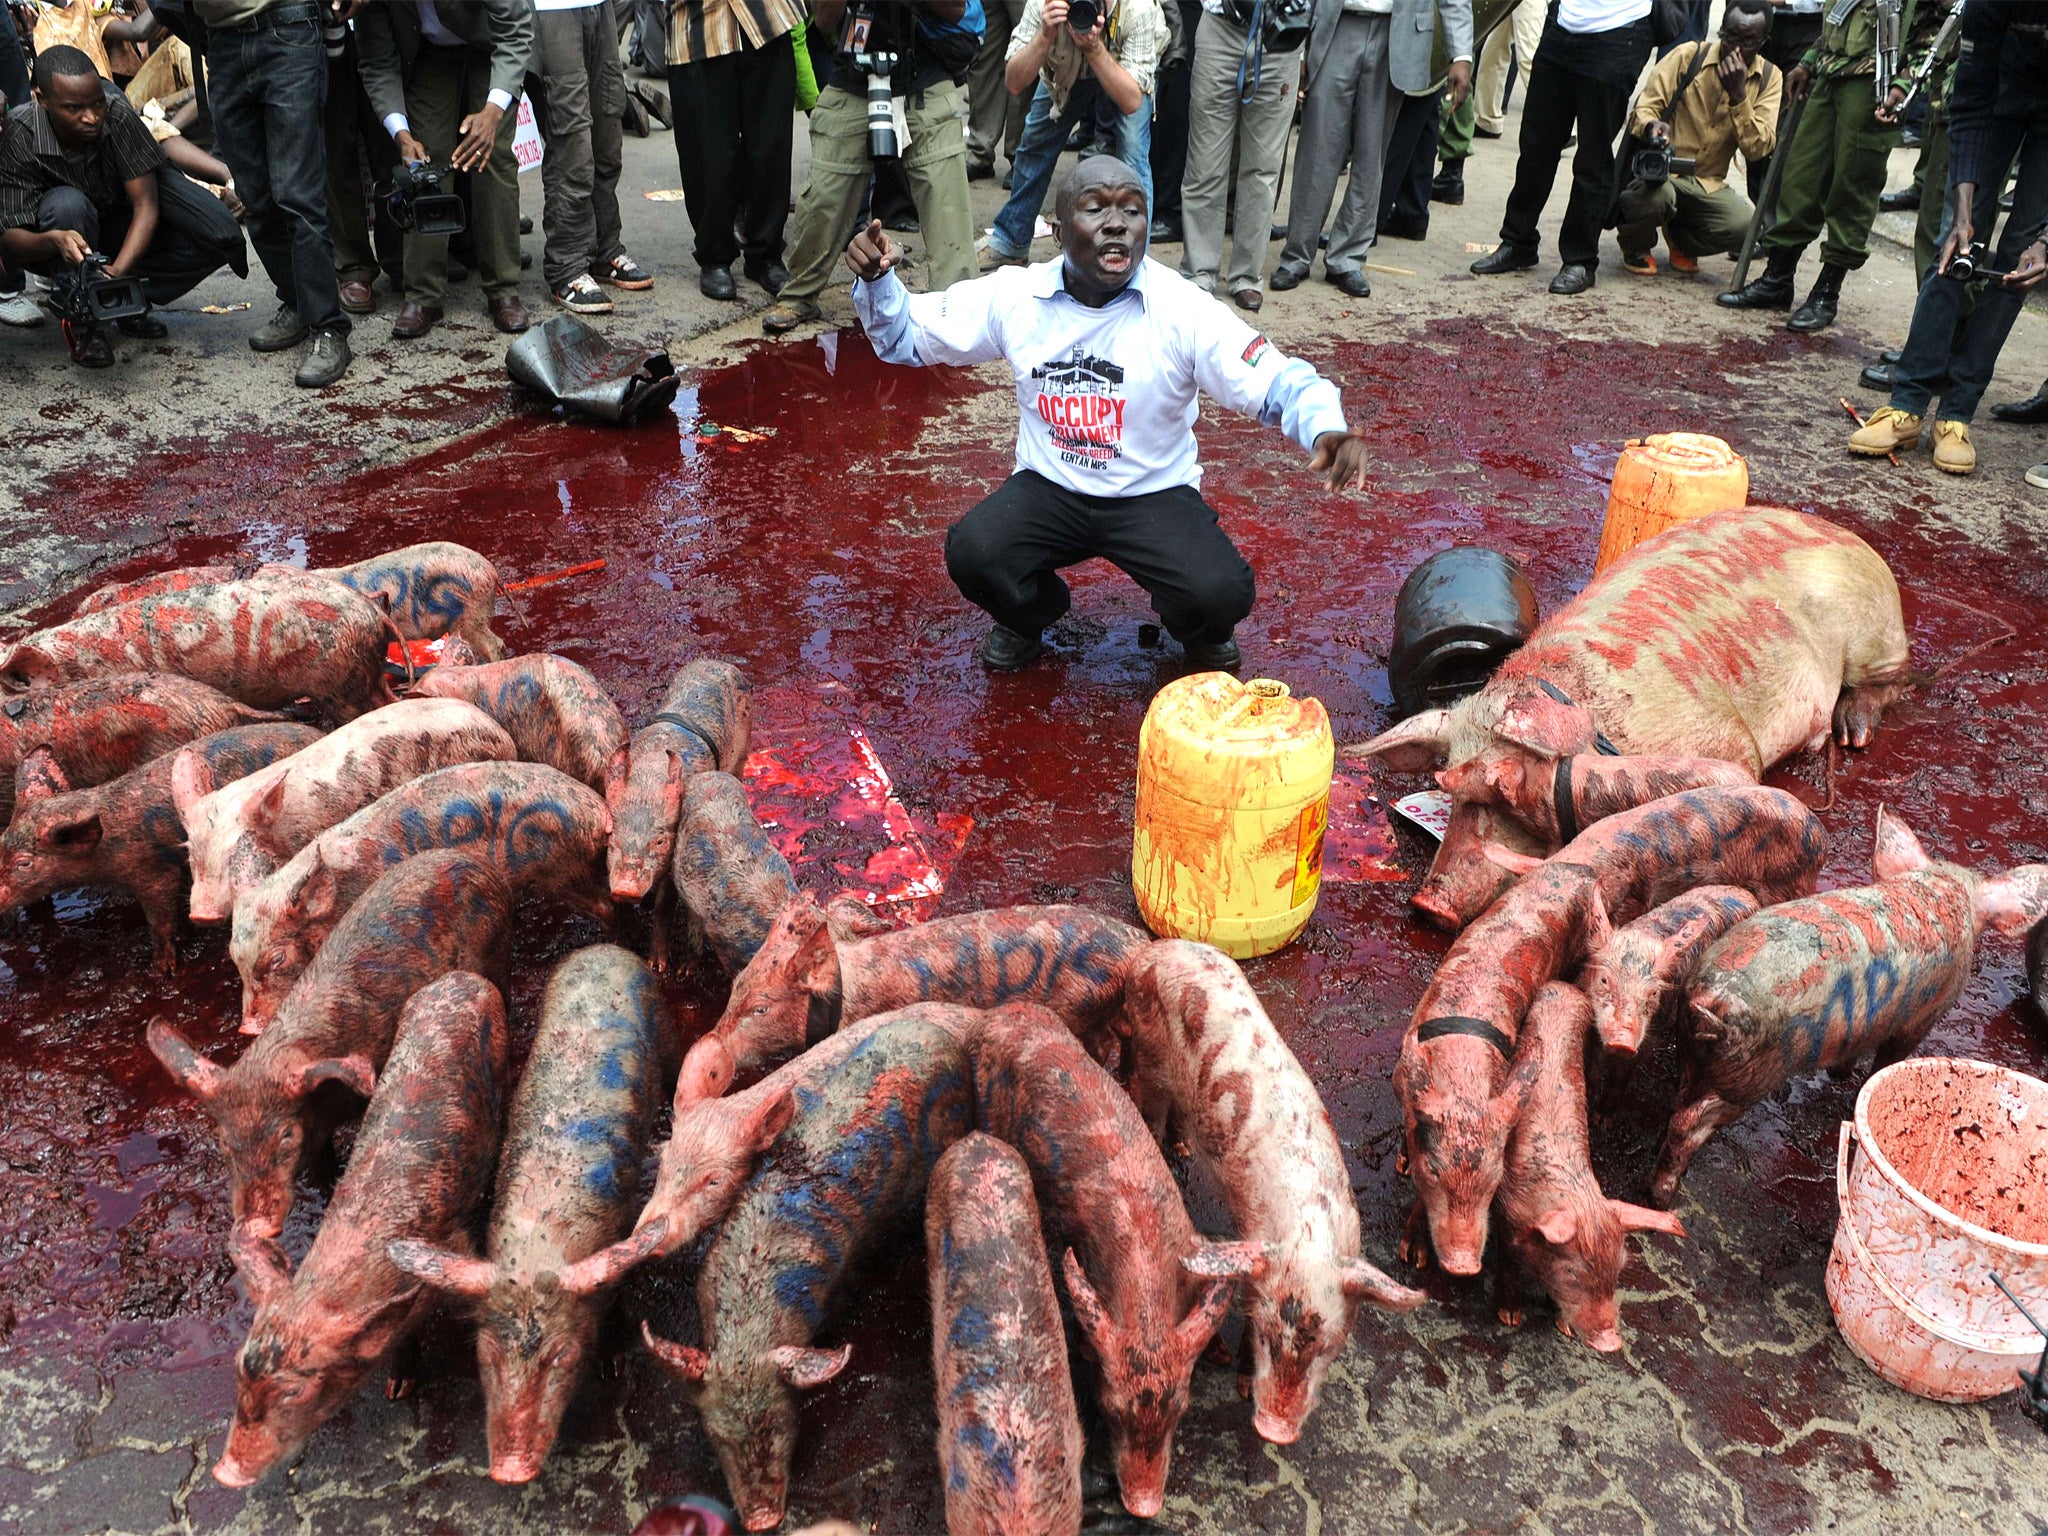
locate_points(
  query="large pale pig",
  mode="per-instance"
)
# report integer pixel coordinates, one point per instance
(1629, 977)
(99, 728)
(731, 880)
(1147, 1292)
(1243, 1103)
(555, 711)
(567, 1181)
(545, 832)
(265, 642)
(1825, 981)
(1560, 1227)
(704, 725)
(420, 1168)
(124, 833)
(437, 913)
(242, 833)
(1738, 636)
(1009, 1440)
(851, 1169)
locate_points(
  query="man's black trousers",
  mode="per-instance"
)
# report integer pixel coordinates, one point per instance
(195, 234)
(1583, 81)
(734, 134)
(1005, 553)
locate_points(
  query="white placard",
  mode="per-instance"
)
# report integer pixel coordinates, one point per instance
(527, 148)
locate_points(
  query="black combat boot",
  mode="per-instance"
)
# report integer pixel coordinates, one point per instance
(1771, 291)
(1449, 186)
(1818, 312)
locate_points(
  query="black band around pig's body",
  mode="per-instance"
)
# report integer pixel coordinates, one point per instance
(1458, 1024)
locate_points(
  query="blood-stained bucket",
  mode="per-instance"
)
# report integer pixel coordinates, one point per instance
(1664, 480)
(1943, 1181)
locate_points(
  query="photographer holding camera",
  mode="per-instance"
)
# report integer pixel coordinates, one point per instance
(1701, 103)
(890, 56)
(1997, 113)
(80, 176)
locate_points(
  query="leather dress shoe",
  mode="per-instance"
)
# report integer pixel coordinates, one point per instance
(1004, 650)
(1876, 376)
(1504, 258)
(1902, 201)
(1572, 277)
(1398, 228)
(1891, 354)
(508, 314)
(1284, 278)
(357, 298)
(769, 274)
(1248, 299)
(1222, 657)
(2028, 412)
(717, 283)
(414, 320)
(1357, 284)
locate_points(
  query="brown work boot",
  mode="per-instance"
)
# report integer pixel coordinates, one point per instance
(1888, 430)
(1952, 449)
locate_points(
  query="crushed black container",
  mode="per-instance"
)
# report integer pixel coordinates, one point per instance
(2037, 969)
(568, 364)
(1460, 614)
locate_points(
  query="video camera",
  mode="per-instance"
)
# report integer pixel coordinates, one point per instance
(1971, 264)
(88, 295)
(1654, 164)
(417, 204)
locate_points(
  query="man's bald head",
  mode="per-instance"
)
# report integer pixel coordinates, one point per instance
(1104, 171)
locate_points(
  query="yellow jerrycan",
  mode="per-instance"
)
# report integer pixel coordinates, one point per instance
(1233, 797)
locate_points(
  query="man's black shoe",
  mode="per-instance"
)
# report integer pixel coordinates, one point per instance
(1004, 650)
(281, 332)
(1891, 355)
(1773, 290)
(1167, 231)
(1399, 228)
(717, 283)
(1504, 258)
(1572, 277)
(89, 345)
(143, 327)
(2028, 412)
(1876, 376)
(1284, 278)
(325, 360)
(1213, 658)
(981, 170)
(1357, 284)
(1818, 312)
(1449, 186)
(769, 274)
(1905, 200)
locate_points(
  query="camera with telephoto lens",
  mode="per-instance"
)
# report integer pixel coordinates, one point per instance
(334, 29)
(1654, 165)
(87, 294)
(417, 204)
(881, 118)
(1968, 264)
(1082, 16)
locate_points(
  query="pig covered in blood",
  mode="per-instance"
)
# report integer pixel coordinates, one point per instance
(1560, 1227)
(554, 711)
(1827, 980)
(704, 725)
(1146, 1291)
(1558, 798)
(731, 880)
(1737, 636)
(1205, 1047)
(852, 1168)
(1629, 978)
(265, 642)
(124, 833)
(421, 1166)
(1459, 1098)
(567, 1180)
(543, 830)
(440, 912)
(242, 833)
(1009, 1440)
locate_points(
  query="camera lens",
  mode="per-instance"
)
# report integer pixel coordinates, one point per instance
(1082, 16)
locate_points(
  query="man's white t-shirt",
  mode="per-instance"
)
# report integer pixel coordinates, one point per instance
(1106, 397)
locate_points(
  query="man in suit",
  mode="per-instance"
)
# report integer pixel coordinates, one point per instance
(445, 78)
(1364, 58)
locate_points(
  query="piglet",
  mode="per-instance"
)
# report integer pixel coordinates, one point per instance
(1824, 981)
(731, 880)
(241, 834)
(566, 1187)
(1147, 1292)
(1560, 1227)
(851, 1169)
(437, 913)
(543, 830)
(1557, 798)
(1629, 977)
(125, 833)
(431, 590)
(704, 725)
(554, 711)
(1204, 1046)
(1010, 1443)
(420, 1168)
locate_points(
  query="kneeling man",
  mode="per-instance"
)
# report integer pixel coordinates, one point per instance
(1108, 350)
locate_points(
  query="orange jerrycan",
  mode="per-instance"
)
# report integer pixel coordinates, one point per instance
(1233, 796)
(1665, 480)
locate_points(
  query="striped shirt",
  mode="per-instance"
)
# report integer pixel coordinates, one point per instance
(710, 29)
(32, 161)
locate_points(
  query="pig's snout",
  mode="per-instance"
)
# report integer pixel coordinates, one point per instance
(1606, 1338)
(1460, 1243)
(250, 1452)
(1280, 1428)
(515, 1466)
(1141, 1479)
(232, 1474)
(762, 1517)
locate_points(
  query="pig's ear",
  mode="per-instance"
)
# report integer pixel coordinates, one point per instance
(355, 1072)
(2014, 901)
(766, 1121)
(1506, 858)
(1544, 725)
(707, 1072)
(192, 1071)
(615, 768)
(1557, 1227)
(1191, 1335)
(191, 782)
(1230, 1261)
(1599, 926)
(1898, 851)
(608, 1266)
(815, 965)
(263, 1265)
(1089, 1312)
(806, 1369)
(1413, 746)
(688, 1363)
(1640, 1218)
(1465, 780)
(850, 918)
(316, 894)
(260, 811)
(39, 777)
(72, 833)
(1362, 1282)
(443, 1269)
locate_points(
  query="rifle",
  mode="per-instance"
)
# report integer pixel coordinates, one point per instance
(1949, 23)
(1768, 200)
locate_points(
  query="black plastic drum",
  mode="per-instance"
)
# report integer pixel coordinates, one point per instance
(1460, 614)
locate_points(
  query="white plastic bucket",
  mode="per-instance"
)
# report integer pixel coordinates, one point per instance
(1950, 1187)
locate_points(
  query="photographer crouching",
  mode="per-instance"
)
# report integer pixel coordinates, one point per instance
(80, 176)
(1701, 102)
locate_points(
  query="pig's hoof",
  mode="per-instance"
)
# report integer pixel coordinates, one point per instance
(1857, 713)
(1511, 1316)
(1244, 1389)
(398, 1388)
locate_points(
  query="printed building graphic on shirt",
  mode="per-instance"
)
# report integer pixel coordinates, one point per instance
(1081, 402)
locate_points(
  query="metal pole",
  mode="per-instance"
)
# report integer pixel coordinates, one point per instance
(1780, 153)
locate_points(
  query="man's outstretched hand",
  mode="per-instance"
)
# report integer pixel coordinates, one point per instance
(1340, 460)
(872, 252)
